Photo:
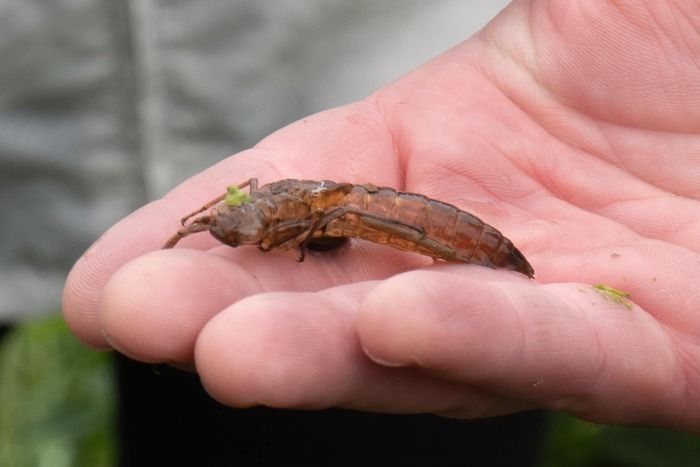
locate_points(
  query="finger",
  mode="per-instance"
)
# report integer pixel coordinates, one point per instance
(153, 308)
(562, 346)
(137, 234)
(300, 350)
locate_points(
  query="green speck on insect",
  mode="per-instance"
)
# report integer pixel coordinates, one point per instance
(235, 197)
(618, 296)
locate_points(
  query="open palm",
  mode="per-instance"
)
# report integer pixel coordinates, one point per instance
(572, 128)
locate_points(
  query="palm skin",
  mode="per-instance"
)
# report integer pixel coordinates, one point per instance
(572, 128)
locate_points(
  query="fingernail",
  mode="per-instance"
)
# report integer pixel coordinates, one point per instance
(382, 361)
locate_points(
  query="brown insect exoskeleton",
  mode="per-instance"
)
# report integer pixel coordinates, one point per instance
(296, 214)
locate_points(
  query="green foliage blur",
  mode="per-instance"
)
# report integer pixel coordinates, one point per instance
(56, 399)
(575, 443)
(57, 409)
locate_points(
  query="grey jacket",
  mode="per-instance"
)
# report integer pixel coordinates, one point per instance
(106, 104)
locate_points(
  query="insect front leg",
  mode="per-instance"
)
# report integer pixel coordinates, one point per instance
(286, 235)
(306, 229)
(208, 205)
(199, 225)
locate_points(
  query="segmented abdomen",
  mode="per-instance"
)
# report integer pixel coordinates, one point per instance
(414, 222)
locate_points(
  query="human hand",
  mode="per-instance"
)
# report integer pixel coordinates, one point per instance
(572, 128)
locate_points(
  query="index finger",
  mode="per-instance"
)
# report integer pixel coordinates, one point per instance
(348, 142)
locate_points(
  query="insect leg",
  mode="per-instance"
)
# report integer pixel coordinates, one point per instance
(307, 227)
(199, 225)
(317, 222)
(202, 209)
(252, 183)
(287, 235)
(408, 232)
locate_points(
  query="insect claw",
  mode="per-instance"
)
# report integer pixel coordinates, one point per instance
(302, 255)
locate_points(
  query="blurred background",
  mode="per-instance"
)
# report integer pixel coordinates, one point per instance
(107, 104)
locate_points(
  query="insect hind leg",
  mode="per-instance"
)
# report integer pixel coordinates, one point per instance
(411, 235)
(414, 238)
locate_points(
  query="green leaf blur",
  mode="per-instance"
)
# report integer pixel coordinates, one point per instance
(56, 399)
